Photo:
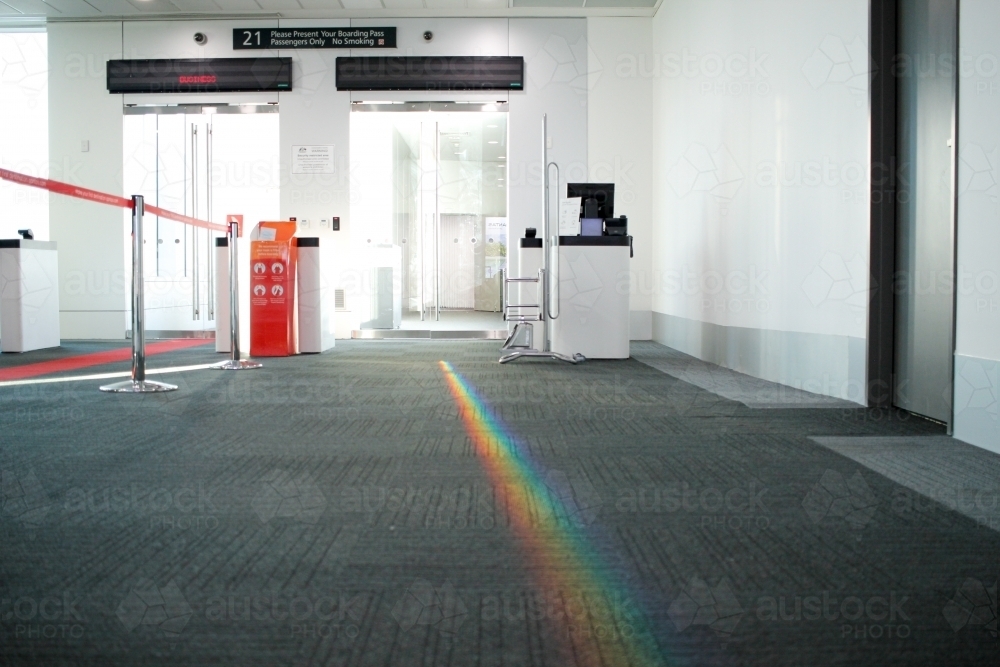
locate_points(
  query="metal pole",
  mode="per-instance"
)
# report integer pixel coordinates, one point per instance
(546, 241)
(235, 363)
(209, 253)
(554, 242)
(138, 298)
(138, 384)
(421, 221)
(234, 293)
(437, 226)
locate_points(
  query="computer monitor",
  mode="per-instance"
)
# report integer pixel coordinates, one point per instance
(604, 193)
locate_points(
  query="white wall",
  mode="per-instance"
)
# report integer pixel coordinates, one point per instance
(556, 63)
(760, 218)
(24, 131)
(92, 277)
(977, 325)
(619, 141)
(314, 112)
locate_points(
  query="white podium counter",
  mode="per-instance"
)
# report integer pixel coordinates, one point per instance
(593, 314)
(530, 261)
(29, 295)
(593, 317)
(316, 305)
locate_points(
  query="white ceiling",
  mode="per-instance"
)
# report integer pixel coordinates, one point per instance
(138, 9)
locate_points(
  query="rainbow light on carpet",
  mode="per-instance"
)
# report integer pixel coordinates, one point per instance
(556, 548)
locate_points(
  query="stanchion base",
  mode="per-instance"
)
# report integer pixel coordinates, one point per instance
(522, 354)
(138, 387)
(237, 365)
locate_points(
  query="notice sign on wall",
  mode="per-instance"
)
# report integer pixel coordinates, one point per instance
(312, 160)
(314, 38)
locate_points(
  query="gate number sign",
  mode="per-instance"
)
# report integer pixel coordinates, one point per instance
(314, 38)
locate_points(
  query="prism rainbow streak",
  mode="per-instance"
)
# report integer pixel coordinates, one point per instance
(555, 547)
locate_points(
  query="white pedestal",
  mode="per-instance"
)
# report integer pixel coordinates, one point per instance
(593, 316)
(383, 307)
(315, 302)
(29, 295)
(529, 260)
(222, 333)
(593, 313)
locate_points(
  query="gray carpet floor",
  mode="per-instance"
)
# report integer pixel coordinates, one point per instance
(933, 472)
(332, 510)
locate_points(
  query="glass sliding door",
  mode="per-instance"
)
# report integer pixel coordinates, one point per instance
(429, 189)
(203, 162)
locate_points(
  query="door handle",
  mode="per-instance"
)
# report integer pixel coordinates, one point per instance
(195, 305)
(210, 252)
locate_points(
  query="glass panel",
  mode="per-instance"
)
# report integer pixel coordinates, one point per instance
(473, 188)
(139, 177)
(444, 207)
(429, 237)
(172, 194)
(245, 167)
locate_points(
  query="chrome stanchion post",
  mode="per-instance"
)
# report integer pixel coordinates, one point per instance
(235, 363)
(138, 384)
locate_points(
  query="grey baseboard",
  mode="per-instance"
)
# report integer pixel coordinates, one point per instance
(977, 389)
(825, 364)
(640, 325)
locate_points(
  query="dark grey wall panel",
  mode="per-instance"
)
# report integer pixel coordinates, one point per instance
(925, 248)
(882, 245)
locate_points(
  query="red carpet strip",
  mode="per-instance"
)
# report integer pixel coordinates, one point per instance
(94, 359)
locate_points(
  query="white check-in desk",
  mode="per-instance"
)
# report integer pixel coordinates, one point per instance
(29, 295)
(593, 294)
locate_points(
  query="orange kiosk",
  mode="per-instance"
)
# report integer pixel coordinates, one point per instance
(273, 257)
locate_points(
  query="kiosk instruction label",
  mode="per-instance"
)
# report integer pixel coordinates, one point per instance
(314, 38)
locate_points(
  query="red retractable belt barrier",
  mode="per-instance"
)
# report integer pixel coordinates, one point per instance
(101, 198)
(138, 384)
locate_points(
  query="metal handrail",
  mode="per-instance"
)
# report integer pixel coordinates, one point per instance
(549, 242)
(505, 306)
(553, 241)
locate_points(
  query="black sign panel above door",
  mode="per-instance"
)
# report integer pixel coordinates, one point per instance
(314, 38)
(430, 73)
(202, 75)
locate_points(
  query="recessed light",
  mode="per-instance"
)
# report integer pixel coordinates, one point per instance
(502, 157)
(493, 142)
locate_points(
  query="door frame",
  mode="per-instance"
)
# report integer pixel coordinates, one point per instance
(204, 109)
(430, 305)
